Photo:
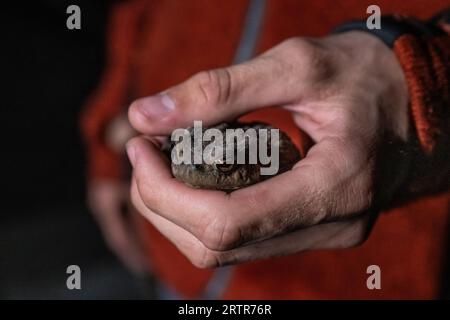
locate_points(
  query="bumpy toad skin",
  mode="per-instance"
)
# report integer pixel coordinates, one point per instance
(229, 177)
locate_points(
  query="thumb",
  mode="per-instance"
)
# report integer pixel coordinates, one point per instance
(214, 96)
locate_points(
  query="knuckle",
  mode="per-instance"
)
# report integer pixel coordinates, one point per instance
(357, 234)
(221, 235)
(301, 48)
(206, 86)
(324, 204)
(296, 44)
(310, 57)
(139, 205)
(204, 259)
(147, 195)
(214, 86)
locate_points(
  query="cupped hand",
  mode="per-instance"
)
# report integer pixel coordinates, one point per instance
(346, 91)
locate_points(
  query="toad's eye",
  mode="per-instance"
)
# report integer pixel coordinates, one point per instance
(225, 168)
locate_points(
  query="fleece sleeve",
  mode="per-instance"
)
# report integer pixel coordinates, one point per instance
(112, 94)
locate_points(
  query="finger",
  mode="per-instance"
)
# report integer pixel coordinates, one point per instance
(195, 210)
(118, 133)
(123, 243)
(333, 235)
(120, 237)
(222, 94)
(188, 244)
(325, 186)
(331, 183)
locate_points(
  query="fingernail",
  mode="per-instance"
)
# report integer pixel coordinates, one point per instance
(131, 152)
(156, 106)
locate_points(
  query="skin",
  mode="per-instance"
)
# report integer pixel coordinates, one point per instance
(346, 91)
(109, 202)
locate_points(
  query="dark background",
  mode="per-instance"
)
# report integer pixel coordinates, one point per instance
(48, 72)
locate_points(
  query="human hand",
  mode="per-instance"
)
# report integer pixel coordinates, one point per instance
(346, 91)
(118, 133)
(110, 204)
